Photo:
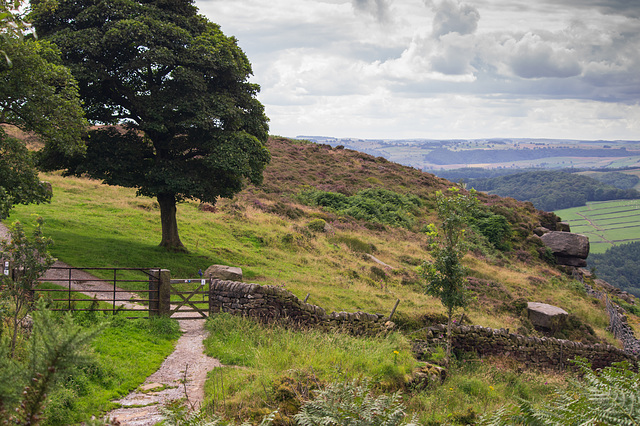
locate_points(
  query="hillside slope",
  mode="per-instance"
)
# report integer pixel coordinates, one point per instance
(277, 234)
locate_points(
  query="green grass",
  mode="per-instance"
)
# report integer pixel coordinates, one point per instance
(121, 356)
(126, 353)
(606, 223)
(264, 360)
(271, 368)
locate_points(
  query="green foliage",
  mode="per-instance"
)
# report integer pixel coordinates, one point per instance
(182, 415)
(548, 190)
(352, 404)
(494, 227)
(39, 94)
(194, 128)
(446, 275)
(19, 181)
(55, 347)
(317, 225)
(36, 94)
(617, 179)
(30, 258)
(374, 205)
(619, 266)
(354, 243)
(610, 396)
(272, 356)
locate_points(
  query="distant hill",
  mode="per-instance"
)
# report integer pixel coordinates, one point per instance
(552, 190)
(473, 156)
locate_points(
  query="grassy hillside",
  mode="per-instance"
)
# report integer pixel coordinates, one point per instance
(265, 231)
(273, 233)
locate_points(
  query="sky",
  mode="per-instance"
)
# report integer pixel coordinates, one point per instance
(396, 69)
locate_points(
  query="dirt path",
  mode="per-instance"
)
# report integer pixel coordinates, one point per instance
(141, 407)
(182, 374)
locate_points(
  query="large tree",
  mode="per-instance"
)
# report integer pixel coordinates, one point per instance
(37, 94)
(191, 126)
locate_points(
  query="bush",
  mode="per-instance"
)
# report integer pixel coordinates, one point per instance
(317, 225)
(373, 205)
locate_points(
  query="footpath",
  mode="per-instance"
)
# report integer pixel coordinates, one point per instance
(180, 377)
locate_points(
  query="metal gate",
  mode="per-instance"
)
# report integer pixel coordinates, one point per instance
(70, 284)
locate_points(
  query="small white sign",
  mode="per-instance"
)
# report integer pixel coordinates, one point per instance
(203, 282)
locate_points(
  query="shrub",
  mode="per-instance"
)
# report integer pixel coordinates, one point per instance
(354, 244)
(373, 205)
(317, 225)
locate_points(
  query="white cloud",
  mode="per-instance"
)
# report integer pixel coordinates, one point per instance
(510, 68)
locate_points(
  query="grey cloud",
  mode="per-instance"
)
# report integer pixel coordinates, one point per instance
(455, 56)
(539, 60)
(453, 17)
(379, 9)
(629, 8)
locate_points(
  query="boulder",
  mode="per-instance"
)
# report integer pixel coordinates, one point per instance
(563, 226)
(567, 244)
(223, 272)
(546, 316)
(571, 261)
(540, 231)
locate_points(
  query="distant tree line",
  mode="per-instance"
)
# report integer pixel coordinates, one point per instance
(473, 156)
(617, 179)
(619, 266)
(467, 174)
(552, 190)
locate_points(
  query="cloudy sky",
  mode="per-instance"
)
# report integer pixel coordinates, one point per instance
(442, 68)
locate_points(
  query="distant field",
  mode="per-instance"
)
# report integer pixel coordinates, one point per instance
(606, 223)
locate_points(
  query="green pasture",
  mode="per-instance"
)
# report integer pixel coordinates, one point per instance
(606, 223)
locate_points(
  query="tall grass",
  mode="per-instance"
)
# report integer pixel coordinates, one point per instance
(275, 368)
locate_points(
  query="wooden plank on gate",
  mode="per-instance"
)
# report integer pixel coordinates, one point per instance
(186, 301)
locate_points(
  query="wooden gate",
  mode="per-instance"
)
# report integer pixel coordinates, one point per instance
(190, 296)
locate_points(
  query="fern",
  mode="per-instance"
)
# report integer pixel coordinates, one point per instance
(608, 397)
(352, 404)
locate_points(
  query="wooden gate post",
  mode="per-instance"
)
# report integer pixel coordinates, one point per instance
(160, 292)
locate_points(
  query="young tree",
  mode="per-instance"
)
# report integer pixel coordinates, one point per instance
(191, 126)
(446, 275)
(30, 258)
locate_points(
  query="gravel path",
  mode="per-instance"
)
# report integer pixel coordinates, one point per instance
(182, 374)
(141, 407)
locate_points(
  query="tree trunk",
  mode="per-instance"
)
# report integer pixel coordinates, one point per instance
(170, 238)
(447, 358)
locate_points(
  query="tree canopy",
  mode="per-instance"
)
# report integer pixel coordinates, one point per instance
(190, 124)
(37, 94)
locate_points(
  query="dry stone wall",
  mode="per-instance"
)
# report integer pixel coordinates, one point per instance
(545, 353)
(272, 303)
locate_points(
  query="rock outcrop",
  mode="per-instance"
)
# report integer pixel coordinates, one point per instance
(223, 272)
(568, 248)
(547, 316)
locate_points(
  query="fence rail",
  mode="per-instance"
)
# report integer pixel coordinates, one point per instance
(79, 280)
